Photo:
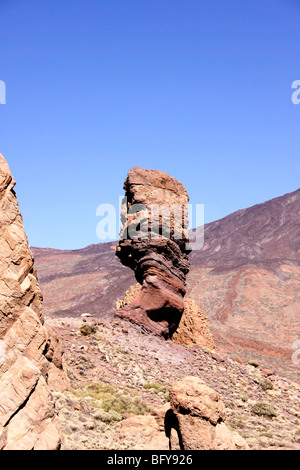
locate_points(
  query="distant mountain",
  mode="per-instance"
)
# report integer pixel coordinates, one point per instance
(246, 278)
(266, 234)
(89, 280)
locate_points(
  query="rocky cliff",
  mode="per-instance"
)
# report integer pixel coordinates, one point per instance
(31, 360)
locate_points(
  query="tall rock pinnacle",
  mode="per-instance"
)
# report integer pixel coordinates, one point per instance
(153, 242)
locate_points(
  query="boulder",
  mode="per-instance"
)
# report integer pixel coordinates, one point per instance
(198, 415)
(141, 433)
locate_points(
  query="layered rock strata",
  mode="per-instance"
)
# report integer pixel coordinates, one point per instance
(153, 242)
(193, 329)
(30, 356)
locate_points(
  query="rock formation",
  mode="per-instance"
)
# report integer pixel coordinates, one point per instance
(30, 359)
(193, 329)
(193, 420)
(143, 433)
(197, 415)
(153, 242)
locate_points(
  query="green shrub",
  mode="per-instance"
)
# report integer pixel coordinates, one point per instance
(99, 390)
(107, 416)
(266, 384)
(156, 387)
(269, 435)
(264, 409)
(87, 330)
(105, 397)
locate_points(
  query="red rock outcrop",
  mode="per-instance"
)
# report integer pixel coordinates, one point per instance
(193, 329)
(153, 242)
(30, 356)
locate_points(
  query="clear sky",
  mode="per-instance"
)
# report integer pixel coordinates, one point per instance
(198, 88)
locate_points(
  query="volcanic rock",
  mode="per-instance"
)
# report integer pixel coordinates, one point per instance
(193, 329)
(30, 354)
(153, 242)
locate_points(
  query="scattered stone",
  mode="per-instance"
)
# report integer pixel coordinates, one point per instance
(238, 360)
(78, 407)
(218, 358)
(266, 372)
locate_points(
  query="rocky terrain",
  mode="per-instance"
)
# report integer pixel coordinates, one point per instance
(121, 376)
(246, 279)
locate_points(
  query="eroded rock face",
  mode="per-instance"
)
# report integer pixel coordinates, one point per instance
(153, 242)
(197, 414)
(193, 329)
(29, 354)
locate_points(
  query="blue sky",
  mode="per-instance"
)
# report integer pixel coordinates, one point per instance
(200, 89)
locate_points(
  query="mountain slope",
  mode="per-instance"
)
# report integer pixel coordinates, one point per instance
(247, 280)
(266, 234)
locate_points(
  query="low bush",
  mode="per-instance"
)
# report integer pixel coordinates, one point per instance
(264, 409)
(107, 416)
(105, 397)
(87, 330)
(266, 384)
